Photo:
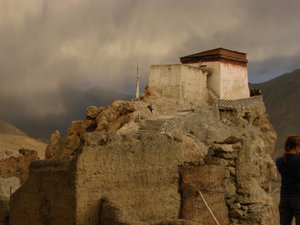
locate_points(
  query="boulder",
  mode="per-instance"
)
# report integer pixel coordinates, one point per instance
(93, 111)
(115, 116)
(18, 166)
(53, 145)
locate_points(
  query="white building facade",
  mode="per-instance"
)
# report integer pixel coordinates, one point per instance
(184, 82)
(222, 71)
(228, 77)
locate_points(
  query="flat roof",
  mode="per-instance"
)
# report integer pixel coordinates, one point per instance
(215, 54)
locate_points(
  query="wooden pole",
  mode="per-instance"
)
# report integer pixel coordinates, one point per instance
(211, 213)
(137, 92)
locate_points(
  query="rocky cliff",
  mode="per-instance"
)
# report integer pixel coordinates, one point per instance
(123, 164)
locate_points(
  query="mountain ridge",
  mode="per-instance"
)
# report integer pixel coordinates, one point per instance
(7, 128)
(281, 97)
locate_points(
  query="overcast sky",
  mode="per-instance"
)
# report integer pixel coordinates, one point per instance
(48, 46)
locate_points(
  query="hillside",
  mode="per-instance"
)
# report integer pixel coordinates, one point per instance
(281, 96)
(6, 128)
(12, 139)
(17, 151)
(10, 145)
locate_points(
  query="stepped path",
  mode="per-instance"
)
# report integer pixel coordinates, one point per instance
(151, 126)
(155, 125)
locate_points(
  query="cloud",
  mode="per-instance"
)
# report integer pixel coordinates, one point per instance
(268, 69)
(48, 46)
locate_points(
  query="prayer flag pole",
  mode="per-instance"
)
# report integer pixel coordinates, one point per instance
(137, 90)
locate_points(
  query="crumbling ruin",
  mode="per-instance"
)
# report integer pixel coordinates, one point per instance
(124, 165)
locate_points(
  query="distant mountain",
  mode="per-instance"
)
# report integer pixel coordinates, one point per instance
(6, 128)
(282, 98)
(75, 102)
(12, 139)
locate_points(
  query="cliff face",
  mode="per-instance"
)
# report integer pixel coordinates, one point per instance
(116, 169)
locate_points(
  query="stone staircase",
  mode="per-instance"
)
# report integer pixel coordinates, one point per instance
(162, 123)
(151, 126)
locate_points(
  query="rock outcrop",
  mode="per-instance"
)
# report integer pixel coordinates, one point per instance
(13, 173)
(18, 166)
(123, 164)
(101, 119)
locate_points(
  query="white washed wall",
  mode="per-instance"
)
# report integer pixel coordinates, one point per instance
(194, 84)
(185, 82)
(233, 82)
(165, 79)
(213, 80)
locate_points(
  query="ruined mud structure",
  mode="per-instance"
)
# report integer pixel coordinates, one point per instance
(124, 165)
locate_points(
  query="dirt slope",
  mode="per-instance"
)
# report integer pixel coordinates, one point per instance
(10, 145)
(6, 128)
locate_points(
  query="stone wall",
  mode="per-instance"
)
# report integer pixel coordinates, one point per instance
(142, 180)
(194, 84)
(227, 80)
(213, 80)
(47, 197)
(207, 181)
(249, 168)
(184, 82)
(166, 79)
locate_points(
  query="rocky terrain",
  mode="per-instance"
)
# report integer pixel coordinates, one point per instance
(281, 96)
(17, 151)
(123, 164)
(12, 139)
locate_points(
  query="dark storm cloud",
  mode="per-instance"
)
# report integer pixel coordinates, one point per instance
(50, 47)
(268, 69)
